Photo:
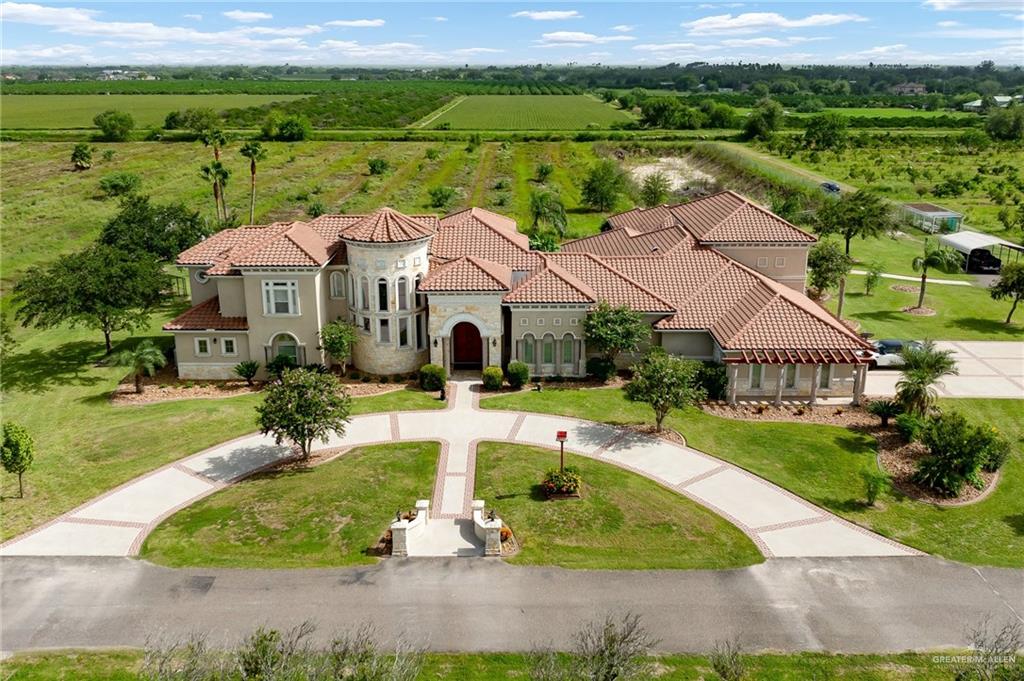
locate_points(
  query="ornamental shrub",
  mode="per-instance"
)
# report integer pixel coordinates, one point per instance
(885, 410)
(493, 378)
(247, 370)
(120, 183)
(957, 451)
(518, 374)
(432, 377)
(713, 378)
(277, 366)
(566, 481)
(996, 448)
(601, 368)
(910, 426)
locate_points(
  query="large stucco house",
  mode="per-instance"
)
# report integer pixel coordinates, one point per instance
(719, 278)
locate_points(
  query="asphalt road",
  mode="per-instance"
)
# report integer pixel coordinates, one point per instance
(453, 604)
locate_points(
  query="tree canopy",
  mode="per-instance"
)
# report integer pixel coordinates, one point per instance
(764, 119)
(1009, 285)
(164, 230)
(827, 265)
(612, 330)
(17, 452)
(304, 406)
(115, 126)
(666, 383)
(603, 184)
(862, 214)
(102, 287)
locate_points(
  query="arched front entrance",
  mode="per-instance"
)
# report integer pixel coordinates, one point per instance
(467, 346)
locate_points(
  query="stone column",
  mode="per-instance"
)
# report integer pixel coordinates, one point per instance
(734, 378)
(446, 349)
(485, 356)
(859, 378)
(815, 379)
(780, 380)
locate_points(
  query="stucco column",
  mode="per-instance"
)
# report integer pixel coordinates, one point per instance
(558, 356)
(536, 357)
(734, 379)
(815, 379)
(583, 357)
(859, 377)
(780, 379)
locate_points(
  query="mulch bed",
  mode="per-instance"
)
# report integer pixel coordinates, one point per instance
(847, 416)
(648, 429)
(905, 288)
(919, 311)
(165, 386)
(899, 460)
(567, 384)
(510, 546)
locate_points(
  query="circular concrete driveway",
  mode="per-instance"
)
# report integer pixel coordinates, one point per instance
(778, 522)
(993, 369)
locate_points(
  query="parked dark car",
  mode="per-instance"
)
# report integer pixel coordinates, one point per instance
(830, 187)
(983, 262)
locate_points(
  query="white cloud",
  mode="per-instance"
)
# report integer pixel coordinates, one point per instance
(903, 54)
(284, 31)
(578, 39)
(477, 50)
(948, 24)
(30, 13)
(47, 54)
(624, 28)
(439, 18)
(357, 23)
(665, 47)
(548, 15)
(193, 17)
(246, 17)
(769, 42)
(980, 33)
(973, 5)
(752, 22)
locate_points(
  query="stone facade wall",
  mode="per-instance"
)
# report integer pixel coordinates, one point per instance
(446, 310)
(557, 325)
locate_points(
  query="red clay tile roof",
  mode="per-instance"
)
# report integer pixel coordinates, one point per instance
(206, 317)
(486, 235)
(387, 225)
(722, 217)
(551, 284)
(468, 273)
(608, 283)
(628, 242)
(296, 246)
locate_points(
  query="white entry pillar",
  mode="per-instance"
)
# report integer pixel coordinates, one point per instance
(734, 379)
(816, 379)
(859, 379)
(780, 379)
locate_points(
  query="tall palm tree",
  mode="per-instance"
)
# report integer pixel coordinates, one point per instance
(934, 257)
(253, 151)
(217, 174)
(207, 173)
(546, 207)
(217, 139)
(142, 360)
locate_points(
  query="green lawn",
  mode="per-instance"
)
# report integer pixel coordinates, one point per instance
(823, 464)
(961, 312)
(325, 516)
(85, 446)
(615, 524)
(529, 112)
(124, 665)
(77, 111)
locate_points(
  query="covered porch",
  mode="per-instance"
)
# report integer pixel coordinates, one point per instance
(805, 376)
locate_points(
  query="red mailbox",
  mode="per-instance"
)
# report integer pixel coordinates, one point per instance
(562, 436)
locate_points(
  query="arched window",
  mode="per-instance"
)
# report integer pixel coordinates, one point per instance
(528, 342)
(402, 293)
(568, 348)
(284, 344)
(420, 298)
(547, 353)
(337, 285)
(382, 295)
(364, 293)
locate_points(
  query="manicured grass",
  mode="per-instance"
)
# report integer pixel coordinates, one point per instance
(325, 516)
(961, 312)
(85, 446)
(622, 520)
(529, 112)
(824, 464)
(77, 111)
(124, 665)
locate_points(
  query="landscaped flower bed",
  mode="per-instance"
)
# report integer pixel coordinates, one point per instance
(562, 484)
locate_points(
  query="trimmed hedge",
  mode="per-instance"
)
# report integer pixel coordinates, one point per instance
(518, 374)
(432, 377)
(493, 378)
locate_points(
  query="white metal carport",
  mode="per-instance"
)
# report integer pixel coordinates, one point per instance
(967, 241)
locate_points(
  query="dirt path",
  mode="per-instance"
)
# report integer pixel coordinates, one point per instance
(784, 166)
(437, 113)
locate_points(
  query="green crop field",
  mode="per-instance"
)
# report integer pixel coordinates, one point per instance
(77, 111)
(528, 112)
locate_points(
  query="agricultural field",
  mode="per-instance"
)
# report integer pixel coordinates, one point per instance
(49, 209)
(975, 184)
(529, 112)
(77, 111)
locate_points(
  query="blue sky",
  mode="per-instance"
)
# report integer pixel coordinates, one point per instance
(435, 33)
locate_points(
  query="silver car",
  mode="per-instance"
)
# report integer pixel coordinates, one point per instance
(889, 353)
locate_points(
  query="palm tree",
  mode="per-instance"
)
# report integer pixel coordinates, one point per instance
(216, 138)
(547, 207)
(208, 174)
(253, 151)
(218, 174)
(935, 257)
(143, 360)
(922, 369)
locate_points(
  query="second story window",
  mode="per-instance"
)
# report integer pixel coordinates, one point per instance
(280, 298)
(364, 294)
(403, 293)
(382, 295)
(337, 285)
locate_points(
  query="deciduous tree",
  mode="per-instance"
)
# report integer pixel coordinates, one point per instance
(303, 407)
(654, 189)
(17, 452)
(1009, 285)
(162, 230)
(337, 338)
(827, 267)
(666, 383)
(603, 184)
(613, 330)
(115, 126)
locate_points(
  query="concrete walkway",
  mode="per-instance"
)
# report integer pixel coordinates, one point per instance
(987, 369)
(778, 522)
(906, 277)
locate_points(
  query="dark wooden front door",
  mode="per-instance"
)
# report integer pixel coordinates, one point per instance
(467, 350)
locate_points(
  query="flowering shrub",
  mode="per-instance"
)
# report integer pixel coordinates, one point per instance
(566, 481)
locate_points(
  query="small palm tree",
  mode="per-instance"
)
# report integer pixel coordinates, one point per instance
(253, 151)
(930, 359)
(915, 392)
(923, 367)
(142, 360)
(934, 257)
(546, 207)
(885, 410)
